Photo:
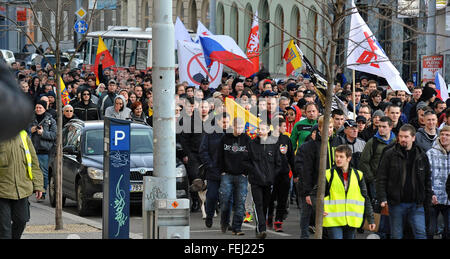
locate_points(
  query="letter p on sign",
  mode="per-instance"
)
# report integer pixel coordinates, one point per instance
(120, 138)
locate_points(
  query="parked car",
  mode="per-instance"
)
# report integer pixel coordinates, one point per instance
(82, 179)
(8, 56)
(51, 59)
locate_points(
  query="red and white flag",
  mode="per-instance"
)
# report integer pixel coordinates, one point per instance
(253, 44)
(365, 54)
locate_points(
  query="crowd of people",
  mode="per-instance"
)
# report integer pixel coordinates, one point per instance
(388, 151)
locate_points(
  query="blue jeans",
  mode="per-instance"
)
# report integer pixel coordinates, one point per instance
(306, 215)
(43, 165)
(233, 187)
(212, 197)
(415, 215)
(435, 210)
(344, 232)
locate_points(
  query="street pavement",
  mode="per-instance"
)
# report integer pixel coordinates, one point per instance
(42, 225)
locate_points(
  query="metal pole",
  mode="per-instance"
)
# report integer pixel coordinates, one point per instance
(76, 34)
(431, 28)
(7, 25)
(212, 16)
(163, 75)
(354, 93)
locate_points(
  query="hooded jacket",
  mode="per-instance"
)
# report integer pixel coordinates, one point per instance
(371, 156)
(124, 112)
(440, 169)
(290, 125)
(86, 112)
(423, 140)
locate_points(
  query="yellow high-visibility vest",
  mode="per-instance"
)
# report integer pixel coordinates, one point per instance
(23, 136)
(344, 208)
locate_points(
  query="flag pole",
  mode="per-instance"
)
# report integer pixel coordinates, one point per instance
(354, 101)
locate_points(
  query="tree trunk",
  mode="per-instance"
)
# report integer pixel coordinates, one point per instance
(58, 192)
(338, 16)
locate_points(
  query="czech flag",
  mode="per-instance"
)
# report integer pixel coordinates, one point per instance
(441, 87)
(223, 49)
(107, 61)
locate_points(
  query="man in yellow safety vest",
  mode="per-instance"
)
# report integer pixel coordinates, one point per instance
(346, 201)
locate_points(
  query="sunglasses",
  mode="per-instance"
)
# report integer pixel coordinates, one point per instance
(68, 111)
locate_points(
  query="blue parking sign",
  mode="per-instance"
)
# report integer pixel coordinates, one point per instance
(120, 137)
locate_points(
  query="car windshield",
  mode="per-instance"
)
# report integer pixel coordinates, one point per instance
(141, 141)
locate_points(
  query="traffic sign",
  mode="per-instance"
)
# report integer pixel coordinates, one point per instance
(81, 13)
(81, 27)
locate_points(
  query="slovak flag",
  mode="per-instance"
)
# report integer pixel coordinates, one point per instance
(223, 48)
(441, 87)
(253, 44)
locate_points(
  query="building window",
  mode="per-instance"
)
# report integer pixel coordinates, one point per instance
(220, 20)
(234, 23)
(193, 15)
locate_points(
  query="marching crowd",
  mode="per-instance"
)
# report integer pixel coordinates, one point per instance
(391, 158)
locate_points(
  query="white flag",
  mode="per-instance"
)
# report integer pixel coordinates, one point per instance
(201, 31)
(181, 33)
(365, 54)
(192, 66)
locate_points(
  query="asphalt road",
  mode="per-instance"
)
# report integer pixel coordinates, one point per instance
(198, 230)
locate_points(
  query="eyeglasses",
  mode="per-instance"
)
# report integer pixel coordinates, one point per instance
(68, 111)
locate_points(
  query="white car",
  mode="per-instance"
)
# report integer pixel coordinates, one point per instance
(8, 56)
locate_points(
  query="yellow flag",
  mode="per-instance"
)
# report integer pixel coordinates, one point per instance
(293, 58)
(236, 110)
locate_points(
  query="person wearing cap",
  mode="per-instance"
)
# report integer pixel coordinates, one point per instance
(107, 100)
(43, 136)
(361, 121)
(207, 91)
(351, 139)
(119, 110)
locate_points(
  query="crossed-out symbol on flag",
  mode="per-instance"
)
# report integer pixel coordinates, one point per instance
(367, 56)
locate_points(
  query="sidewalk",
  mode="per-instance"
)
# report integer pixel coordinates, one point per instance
(42, 225)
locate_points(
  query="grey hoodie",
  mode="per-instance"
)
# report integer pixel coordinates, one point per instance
(124, 112)
(423, 140)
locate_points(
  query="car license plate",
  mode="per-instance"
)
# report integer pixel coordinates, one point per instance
(137, 188)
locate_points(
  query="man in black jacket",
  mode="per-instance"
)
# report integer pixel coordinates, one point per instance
(404, 182)
(263, 165)
(233, 183)
(210, 157)
(307, 167)
(86, 110)
(281, 184)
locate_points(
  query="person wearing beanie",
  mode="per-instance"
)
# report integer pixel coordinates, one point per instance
(371, 130)
(118, 111)
(43, 136)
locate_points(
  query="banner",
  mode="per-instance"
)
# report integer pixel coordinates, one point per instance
(431, 65)
(192, 66)
(103, 4)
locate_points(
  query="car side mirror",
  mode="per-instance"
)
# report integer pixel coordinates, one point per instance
(71, 150)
